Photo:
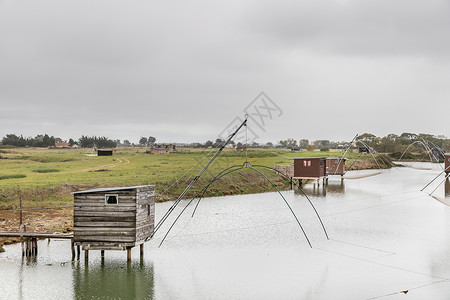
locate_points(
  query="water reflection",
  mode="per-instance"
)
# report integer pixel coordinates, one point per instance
(332, 188)
(114, 280)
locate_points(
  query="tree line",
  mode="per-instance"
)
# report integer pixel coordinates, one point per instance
(44, 140)
(390, 143)
(38, 141)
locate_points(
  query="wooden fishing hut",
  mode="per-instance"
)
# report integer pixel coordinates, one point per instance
(104, 152)
(116, 218)
(336, 166)
(447, 163)
(310, 168)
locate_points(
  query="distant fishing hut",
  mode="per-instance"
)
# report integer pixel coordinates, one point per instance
(159, 151)
(104, 152)
(447, 163)
(336, 166)
(310, 168)
(117, 218)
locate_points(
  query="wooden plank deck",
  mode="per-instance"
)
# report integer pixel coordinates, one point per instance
(44, 235)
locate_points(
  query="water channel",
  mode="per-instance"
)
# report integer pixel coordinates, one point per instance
(387, 240)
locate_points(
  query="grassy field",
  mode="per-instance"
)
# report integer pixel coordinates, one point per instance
(48, 176)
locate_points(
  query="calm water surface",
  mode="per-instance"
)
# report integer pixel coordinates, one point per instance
(386, 238)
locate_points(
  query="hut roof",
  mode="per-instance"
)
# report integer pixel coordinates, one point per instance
(111, 189)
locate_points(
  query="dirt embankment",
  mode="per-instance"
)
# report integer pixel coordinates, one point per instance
(61, 220)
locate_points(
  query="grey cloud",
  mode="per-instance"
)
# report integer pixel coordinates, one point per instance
(355, 27)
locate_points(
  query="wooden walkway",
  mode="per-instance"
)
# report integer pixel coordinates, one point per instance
(29, 244)
(38, 235)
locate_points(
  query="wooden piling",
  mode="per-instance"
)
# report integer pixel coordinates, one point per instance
(21, 226)
(128, 254)
(34, 249)
(102, 253)
(72, 243)
(22, 229)
(141, 248)
(28, 246)
(86, 255)
(78, 252)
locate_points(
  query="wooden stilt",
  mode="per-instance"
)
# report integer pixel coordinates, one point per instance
(72, 244)
(86, 255)
(28, 246)
(35, 246)
(102, 253)
(141, 248)
(21, 226)
(78, 252)
(128, 254)
(22, 229)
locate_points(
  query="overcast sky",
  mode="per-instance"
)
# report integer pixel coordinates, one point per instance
(183, 70)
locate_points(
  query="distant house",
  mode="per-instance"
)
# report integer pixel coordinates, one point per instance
(163, 149)
(62, 145)
(365, 150)
(159, 151)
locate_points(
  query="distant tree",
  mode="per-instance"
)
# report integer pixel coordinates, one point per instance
(289, 143)
(310, 147)
(71, 142)
(269, 144)
(99, 142)
(218, 142)
(151, 140)
(321, 144)
(143, 141)
(126, 143)
(48, 141)
(367, 138)
(303, 143)
(208, 144)
(407, 138)
(13, 140)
